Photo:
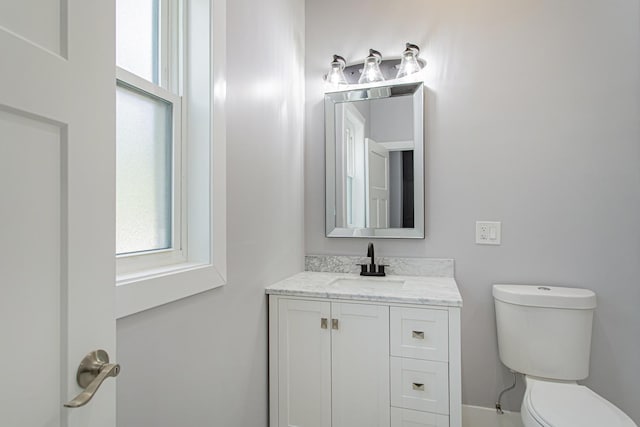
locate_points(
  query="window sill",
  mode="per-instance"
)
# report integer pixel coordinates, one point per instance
(152, 288)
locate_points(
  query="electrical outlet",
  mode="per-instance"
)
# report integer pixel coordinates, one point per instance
(488, 232)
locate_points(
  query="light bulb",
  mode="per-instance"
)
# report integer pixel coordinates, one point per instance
(371, 72)
(409, 64)
(336, 75)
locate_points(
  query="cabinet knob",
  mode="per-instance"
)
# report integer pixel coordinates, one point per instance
(418, 386)
(324, 323)
(334, 324)
(418, 335)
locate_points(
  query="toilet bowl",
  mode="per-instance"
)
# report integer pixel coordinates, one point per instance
(544, 332)
(549, 403)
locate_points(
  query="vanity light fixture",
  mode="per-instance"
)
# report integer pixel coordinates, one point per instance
(336, 75)
(371, 72)
(409, 64)
(374, 69)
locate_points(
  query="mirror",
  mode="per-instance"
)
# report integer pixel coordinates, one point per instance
(375, 162)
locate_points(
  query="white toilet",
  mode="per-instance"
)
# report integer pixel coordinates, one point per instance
(544, 332)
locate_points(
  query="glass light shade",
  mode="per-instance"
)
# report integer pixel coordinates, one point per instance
(409, 64)
(336, 75)
(371, 72)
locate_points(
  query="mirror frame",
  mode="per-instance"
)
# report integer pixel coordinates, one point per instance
(361, 94)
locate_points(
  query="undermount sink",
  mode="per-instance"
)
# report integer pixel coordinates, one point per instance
(367, 283)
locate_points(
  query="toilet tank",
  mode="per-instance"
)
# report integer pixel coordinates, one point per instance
(545, 331)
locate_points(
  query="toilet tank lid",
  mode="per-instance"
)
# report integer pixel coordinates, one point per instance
(545, 296)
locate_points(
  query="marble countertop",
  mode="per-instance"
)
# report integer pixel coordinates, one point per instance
(441, 291)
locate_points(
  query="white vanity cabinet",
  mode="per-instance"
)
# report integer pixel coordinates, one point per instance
(329, 364)
(349, 363)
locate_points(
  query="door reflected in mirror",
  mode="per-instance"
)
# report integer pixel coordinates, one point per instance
(374, 162)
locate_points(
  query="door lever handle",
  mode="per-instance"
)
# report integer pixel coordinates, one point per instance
(93, 370)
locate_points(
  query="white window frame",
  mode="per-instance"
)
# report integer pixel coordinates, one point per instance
(197, 261)
(142, 261)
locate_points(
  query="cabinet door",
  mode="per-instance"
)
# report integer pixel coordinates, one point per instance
(360, 365)
(304, 366)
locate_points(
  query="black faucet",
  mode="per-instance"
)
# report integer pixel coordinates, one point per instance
(373, 270)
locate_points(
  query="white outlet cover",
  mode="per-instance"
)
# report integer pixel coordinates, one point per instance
(488, 232)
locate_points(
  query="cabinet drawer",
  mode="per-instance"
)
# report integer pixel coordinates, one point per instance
(419, 333)
(421, 385)
(409, 418)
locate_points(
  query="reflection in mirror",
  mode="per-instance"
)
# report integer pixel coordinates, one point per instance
(375, 162)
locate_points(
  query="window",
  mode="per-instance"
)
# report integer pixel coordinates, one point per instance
(149, 139)
(145, 140)
(170, 150)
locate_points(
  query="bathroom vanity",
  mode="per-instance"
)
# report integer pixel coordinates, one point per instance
(352, 351)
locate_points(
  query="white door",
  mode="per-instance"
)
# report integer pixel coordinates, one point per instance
(360, 365)
(56, 208)
(304, 365)
(377, 187)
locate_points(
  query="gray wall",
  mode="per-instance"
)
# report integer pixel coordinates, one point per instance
(533, 119)
(392, 119)
(202, 361)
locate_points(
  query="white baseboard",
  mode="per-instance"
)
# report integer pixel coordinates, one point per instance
(477, 416)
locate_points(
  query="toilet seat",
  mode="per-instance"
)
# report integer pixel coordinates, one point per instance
(557, 404)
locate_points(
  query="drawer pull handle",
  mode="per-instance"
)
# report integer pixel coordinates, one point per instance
(334, 324)
(324, 323)
(418, 335)
(418, 386)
